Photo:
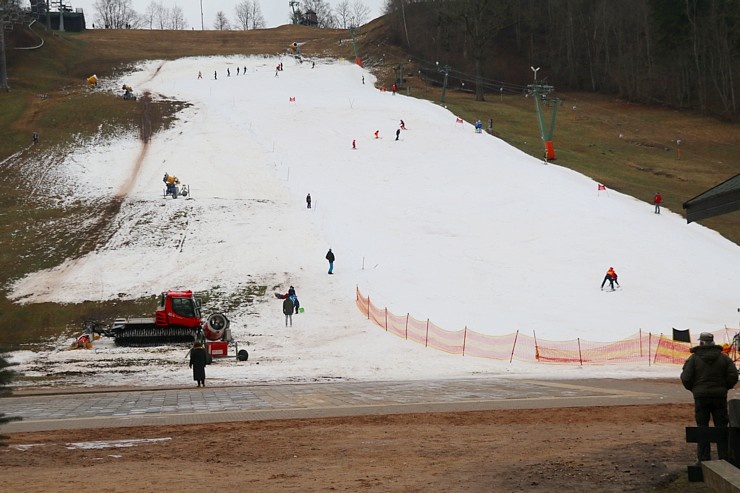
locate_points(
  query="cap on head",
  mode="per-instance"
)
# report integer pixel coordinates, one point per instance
(706, 339)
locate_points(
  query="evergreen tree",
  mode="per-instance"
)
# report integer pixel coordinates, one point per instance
(6, 376)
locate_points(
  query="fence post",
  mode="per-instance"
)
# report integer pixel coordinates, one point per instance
(658, 347)
(650, 346)
(513, 348)
(465, 339)
(368, 307)
(426, 339)
(386, 319)
(536, 348)
(407, 326)
(580, 357)
(640, 334)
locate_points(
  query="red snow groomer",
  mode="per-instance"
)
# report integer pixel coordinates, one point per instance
(176, 319)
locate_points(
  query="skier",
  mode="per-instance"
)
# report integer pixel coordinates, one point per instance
(330, 258)
(308, 204)
(237, 70)
(377, 132)
(354, 144)
(228, 73)
(398, 133)
(200, 75)
(657, 200)
(403, 125)
(394, 88)
(215, 75)
(610, 276)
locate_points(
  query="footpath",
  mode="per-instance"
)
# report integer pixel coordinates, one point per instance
(43, 410)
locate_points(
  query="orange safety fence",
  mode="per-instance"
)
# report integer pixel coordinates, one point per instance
(643, 347)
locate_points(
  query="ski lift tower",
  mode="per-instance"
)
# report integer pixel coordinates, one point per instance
(358, 60)
(540, 92)
(8, 16)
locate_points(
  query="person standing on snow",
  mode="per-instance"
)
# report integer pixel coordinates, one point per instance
(294, 298)
(198, 360)
(398, 133)
(709, 374)
(657, 200)
(330, 258)
(610, 276)
(308, 201)
(288, 311)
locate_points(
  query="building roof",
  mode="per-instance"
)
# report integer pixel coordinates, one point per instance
(720, 199)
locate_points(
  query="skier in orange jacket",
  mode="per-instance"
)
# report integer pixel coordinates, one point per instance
(610, 276)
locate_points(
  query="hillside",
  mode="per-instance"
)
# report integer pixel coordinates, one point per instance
(49, 95)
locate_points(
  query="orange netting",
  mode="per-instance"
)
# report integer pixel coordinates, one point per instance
(643, 347)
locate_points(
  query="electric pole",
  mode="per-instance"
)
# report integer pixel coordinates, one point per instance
(202, 26)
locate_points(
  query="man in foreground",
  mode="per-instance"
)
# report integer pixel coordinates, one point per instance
(709, 373)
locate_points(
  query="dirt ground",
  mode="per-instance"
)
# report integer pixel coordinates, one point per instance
(601, 449)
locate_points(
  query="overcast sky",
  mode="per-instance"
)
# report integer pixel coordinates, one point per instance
(276, 12)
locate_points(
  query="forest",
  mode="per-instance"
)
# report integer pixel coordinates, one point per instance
(681, 53)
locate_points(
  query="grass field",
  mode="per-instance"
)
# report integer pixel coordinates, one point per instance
(629, 148)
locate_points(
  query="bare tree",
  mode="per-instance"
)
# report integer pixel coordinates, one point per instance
(343, 14)
(156, 16)
(221, 23)
(249, 15)
(177, 18)
(481, 20)
(360, 13)
(116, 14)
(351, 15)
(258, 20)
(324, 14)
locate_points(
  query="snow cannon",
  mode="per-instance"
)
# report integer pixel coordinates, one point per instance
(217, 328)
(92, 81)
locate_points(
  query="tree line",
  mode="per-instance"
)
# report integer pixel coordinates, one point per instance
(120, 14)
(684, 53)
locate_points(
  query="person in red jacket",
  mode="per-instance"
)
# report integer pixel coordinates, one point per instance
(657, 200)
(610, 276)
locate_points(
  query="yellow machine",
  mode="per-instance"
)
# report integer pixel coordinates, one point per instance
(92, 81)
